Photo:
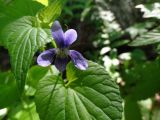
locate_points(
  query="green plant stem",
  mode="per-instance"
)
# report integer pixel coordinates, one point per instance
(54, 44)
(50, 68)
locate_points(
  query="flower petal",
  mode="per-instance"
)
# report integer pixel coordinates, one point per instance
(70, 36)
(58, 34)
(46, 57)
(61, 63)
(79, 61)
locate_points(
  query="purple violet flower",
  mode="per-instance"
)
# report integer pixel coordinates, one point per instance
(60, 56)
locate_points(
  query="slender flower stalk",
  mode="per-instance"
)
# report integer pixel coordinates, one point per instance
(61, 55)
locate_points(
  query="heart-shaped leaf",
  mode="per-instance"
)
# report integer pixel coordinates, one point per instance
(23, 38)
(88, 95)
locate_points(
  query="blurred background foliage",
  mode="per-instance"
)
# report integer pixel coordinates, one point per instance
(122, 35)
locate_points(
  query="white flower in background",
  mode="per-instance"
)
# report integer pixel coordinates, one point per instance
(153, 12)
(108, 62)
(125, 56)
(3, 112)
(105, 50)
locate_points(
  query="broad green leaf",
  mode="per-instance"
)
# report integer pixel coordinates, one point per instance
(8, 88)
(37, 72)
(44, 2)
(143, 80)
(51, 12)
(20, 8)
(23, 38)
(25, 111)
(14, 9)
(147, 39)
(88, 95)
(132, 110)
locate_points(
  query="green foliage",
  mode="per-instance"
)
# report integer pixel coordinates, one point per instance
(25, 111)
(23, 38)
(90, 94)
(75, 94)
(51, 12)
(36, 73)
(131, 107)
(9, 89)
(143, 80)
(14, 9)
(147, 38)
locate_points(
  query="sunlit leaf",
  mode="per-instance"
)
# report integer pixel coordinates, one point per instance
(51, 12)
(44, 2)
(150, 10)
(146, 39)
(25, 111)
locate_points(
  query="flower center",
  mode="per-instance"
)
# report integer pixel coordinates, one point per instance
(62, 52)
